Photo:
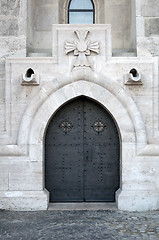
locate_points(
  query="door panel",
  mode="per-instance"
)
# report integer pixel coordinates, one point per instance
(64, 159)
(82, 153)
(101, 148)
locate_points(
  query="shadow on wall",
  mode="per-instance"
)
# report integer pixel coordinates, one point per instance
(42, 14)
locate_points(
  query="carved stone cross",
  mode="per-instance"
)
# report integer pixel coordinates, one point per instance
(82, 48)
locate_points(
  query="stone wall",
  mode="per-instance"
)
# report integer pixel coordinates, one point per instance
(9, 12)
(12, 43)
(12, 39)
(42, 14)
(147, 27)
(119, 15)
(27, 104)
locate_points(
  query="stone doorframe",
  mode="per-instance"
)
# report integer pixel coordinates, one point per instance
(106, 92)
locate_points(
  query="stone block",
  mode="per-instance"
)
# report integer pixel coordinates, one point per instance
(140, 26)
(151, 26)
(140, 176)
(149, 8)
(25, 176)
(137, 200)
(148, 46)
(128, 153)
(9, 27)
(12, 46)
(24, 200)
(2, 91)
(2, 118)
(138, 7)
(36, 152)
(64, 35)
(4, 176)
(10, 7)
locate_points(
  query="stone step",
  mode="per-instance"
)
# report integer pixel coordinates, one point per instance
(83, 206)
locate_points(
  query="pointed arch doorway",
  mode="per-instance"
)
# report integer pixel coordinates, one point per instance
(82, 154)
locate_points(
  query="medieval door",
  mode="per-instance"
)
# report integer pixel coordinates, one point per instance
(82, 153)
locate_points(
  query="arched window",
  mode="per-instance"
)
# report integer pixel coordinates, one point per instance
(81, 12)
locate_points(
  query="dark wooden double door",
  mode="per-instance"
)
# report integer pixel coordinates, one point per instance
(82, 153)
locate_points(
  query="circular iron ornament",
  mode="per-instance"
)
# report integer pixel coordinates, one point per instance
(98, 126)
(65, 126)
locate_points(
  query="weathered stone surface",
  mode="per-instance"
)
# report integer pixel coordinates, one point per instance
(80, 64)
(24, 200)
(4, 184)
(25, 176)
(151, 26)
(120, 14)
(12, 46)
(9, 7)
(79, 225)
(148, 46)
(32, 108)
(8, 27)
(2, 113)
(150, 8)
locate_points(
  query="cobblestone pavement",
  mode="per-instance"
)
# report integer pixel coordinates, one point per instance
(89, 225)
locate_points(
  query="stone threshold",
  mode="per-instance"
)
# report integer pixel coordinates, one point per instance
(82, 206)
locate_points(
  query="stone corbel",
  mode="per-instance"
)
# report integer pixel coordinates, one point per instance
(133, 78)
(30, 78)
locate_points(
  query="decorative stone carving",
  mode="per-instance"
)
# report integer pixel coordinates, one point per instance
(30, 78)
(133, 78)
(82, 48)
(66, 126)
(98, 126)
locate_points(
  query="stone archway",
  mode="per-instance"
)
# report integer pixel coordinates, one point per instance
(107, 99)
(97, 87)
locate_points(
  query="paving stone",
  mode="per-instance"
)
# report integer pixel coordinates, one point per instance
(76, 225)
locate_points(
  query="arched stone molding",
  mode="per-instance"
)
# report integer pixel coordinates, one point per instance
(58, 91)
(111, 99)
(111, 90)
(76, 89)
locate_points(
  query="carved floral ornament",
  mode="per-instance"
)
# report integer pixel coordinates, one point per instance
(82, 48)
(99, 126)
(66, 126)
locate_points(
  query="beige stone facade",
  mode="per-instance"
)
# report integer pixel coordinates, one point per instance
(35, 35)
